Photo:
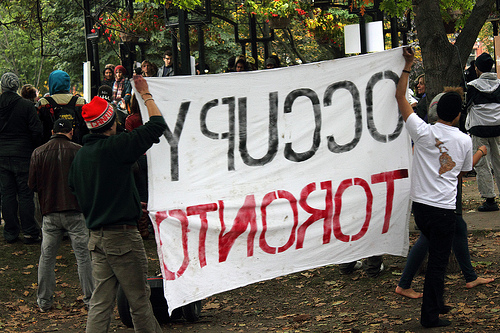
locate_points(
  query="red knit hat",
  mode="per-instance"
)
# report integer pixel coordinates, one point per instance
(120, 67)
(98, 113)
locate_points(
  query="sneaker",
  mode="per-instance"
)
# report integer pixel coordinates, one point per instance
(439, 323)
(357, 266)
(349, 269)
(43, 310)
(488, 207)
(32, 240)
(375, 274)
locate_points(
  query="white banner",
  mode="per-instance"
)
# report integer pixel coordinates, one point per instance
(266, 173)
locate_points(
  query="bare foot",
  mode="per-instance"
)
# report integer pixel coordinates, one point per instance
(410, 293)
(478, 282)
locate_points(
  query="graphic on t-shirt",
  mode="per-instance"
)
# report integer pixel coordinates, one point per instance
(445, 160)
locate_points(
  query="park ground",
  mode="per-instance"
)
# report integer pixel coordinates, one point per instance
(317, 300)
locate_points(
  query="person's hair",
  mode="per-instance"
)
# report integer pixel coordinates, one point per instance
(167, 53)
(458, 90)
(231, 62)
(241, 61)
(154, 68)
(108, 69)
(277, 59)
(134, 105)
(29, 92)
(105, 127)
(418, 79)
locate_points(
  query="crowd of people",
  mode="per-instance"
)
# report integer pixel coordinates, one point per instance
(68, 152)
(76, 156)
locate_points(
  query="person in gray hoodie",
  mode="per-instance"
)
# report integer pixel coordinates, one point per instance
(483, 124)
(20, 134)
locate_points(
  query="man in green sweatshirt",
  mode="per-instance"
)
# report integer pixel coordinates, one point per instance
(102, 180)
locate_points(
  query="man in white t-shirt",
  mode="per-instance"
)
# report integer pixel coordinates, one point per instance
(441, 153)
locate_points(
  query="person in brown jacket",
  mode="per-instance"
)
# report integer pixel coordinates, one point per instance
(48, 175)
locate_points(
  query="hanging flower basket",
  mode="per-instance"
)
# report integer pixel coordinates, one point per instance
(126, 37)
(278, 22)
(122, 25)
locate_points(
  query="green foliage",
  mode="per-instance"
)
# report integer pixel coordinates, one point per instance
(183, 4)
(328, 25)
(219, 45)
(33, 48)
(451, 10)
(486, 37)
(395, 8)
(277, 8)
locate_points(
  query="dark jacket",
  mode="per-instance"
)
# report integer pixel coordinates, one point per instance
(101, 175)
(20, 128)
(48, 115)
(165, 71)
(49, 169)
(483, 104)
(59, 89)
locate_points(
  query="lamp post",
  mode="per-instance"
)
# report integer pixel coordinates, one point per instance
(184, 20)
(92, 49)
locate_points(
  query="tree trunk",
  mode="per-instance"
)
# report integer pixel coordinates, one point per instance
(443, 61)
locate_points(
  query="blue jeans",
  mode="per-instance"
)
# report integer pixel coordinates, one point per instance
(118, 257)
(420, 248)
(438, 225)
(17, 196)
(54, 226)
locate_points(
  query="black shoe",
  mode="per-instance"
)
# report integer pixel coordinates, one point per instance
(376, 273)
(12, 241)
(488, 207)
(351, 268)
(445, 309)
(32, 240)
(439, 323)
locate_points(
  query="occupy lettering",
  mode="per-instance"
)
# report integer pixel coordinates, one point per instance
(247, 218)
(173, 137)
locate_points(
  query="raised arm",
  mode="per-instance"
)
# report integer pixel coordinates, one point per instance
(403, 104)
(142, 88)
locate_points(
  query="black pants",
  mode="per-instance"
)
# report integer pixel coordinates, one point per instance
(438, 225)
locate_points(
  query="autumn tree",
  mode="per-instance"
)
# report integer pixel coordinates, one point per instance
(443, 60)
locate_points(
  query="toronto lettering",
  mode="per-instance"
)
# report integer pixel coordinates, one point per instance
(247, 221)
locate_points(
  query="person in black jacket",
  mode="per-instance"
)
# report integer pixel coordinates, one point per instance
(20, 134)
(483, 125)
(102, 180)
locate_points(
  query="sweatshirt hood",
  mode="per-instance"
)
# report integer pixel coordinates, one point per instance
(7, 101)
(59, 82)
(487, 82)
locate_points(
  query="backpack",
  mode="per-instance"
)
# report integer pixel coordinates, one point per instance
(54, 111)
